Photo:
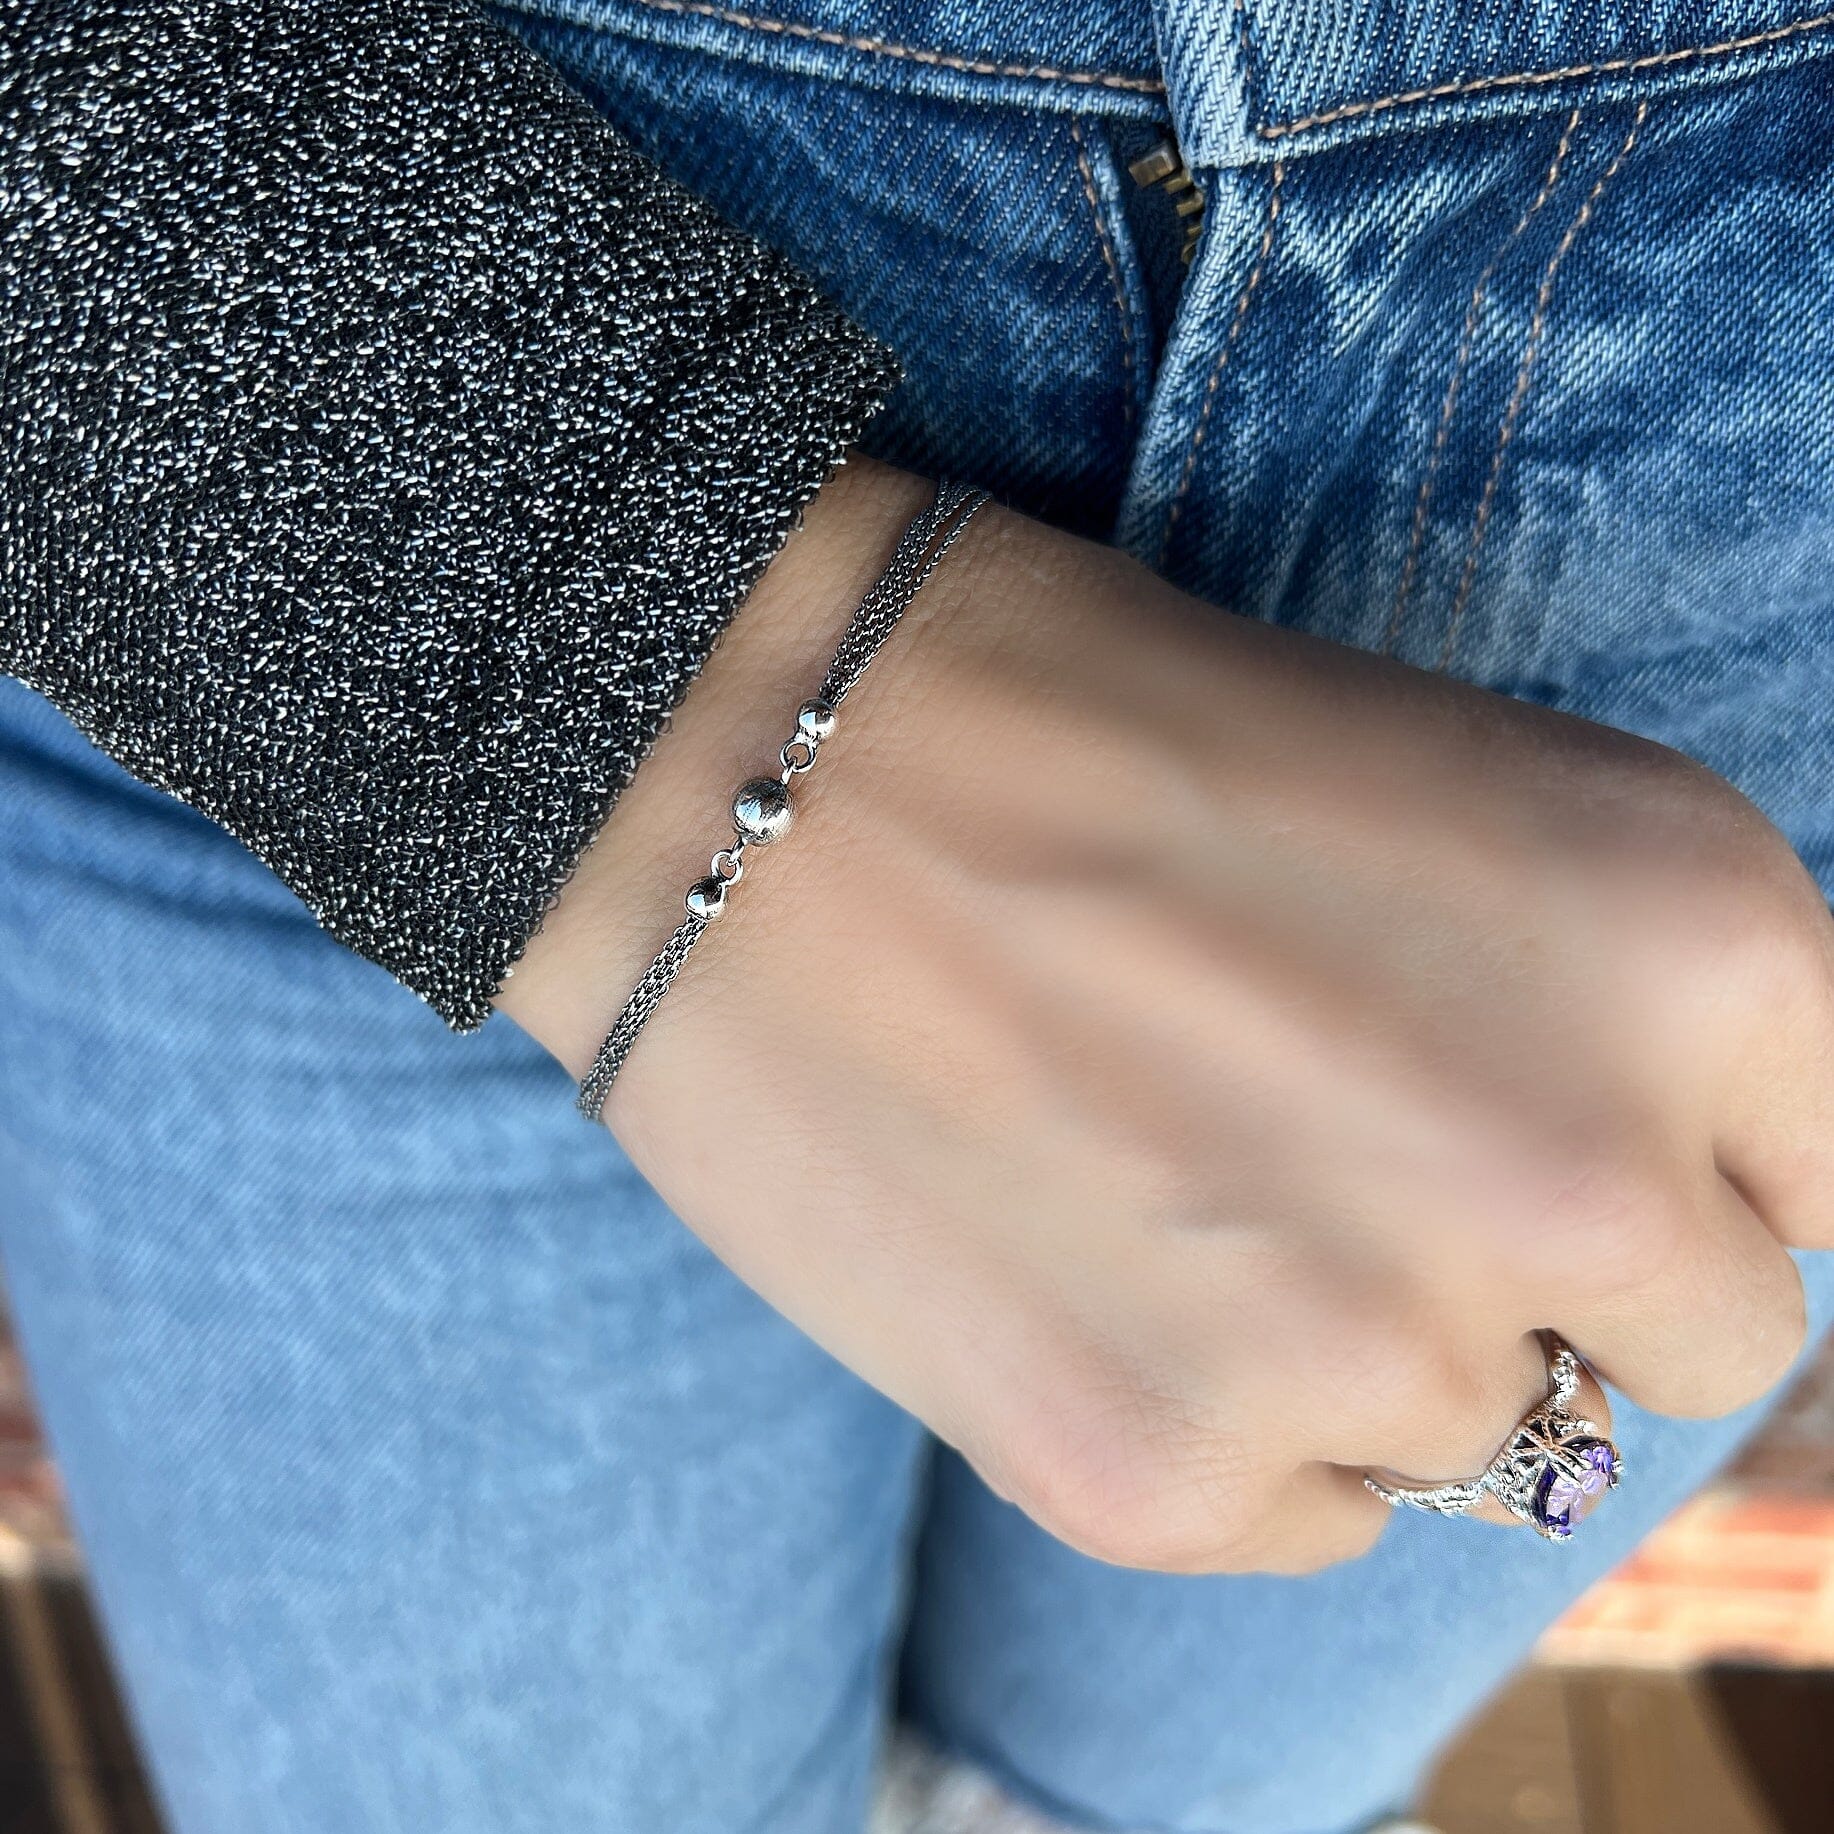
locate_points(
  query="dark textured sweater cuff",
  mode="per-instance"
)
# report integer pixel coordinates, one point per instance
(388, 444)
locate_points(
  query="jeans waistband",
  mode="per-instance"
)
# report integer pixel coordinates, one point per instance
(1244, 81)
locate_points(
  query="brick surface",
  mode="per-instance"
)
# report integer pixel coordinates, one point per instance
(1744, 1573)
(30, 1508)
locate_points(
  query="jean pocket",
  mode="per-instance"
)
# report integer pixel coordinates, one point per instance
(991, 246)
(1288, 76)
(1093, 56)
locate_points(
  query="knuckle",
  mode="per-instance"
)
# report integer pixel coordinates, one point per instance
(1408, 1368)
(1794, 949)
(1361, 1347)
(1767, 925)
(1751, 915)
(1189, 1548)
(1757, 1357)
(1705, 816)
(1703, 876)
(1620, 1215)
(1133, 1481)
(1345, 1540)
(1781, 1340)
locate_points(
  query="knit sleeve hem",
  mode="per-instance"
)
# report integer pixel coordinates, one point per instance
(387, 443)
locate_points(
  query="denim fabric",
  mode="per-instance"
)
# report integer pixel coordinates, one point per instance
(963, 232)
(1055, 53)
(432, 1476)
(1247, 76)
(1545, 402)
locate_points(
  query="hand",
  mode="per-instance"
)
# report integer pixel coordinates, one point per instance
(1184, 1062)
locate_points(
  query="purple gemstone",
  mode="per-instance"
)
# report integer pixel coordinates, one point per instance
(1562, 1499)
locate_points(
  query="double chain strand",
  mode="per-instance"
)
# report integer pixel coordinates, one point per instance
(762, 807)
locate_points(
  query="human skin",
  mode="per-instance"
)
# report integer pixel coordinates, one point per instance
(1185, 1062)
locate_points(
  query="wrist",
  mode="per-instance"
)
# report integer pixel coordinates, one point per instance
(625, 895)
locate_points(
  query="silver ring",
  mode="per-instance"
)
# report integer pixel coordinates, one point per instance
(1551, 1472)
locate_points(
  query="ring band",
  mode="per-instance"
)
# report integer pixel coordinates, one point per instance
(1551, 1472)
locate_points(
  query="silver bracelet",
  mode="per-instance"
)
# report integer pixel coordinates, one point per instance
(762, 807)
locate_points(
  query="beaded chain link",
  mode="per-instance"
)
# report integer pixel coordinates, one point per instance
(763, 808)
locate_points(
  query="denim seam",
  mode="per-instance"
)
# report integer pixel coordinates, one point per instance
(1525, 371)
(884, 47)
(1236, 320)
(1111, 261)
(1448, 407)
(1250, 81)
(1528, 79)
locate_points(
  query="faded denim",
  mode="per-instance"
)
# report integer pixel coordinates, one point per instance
(432, 1476)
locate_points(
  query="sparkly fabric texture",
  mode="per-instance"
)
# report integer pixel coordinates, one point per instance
(387, 443)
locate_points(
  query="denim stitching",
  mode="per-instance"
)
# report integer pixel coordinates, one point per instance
(1236, 320)
(1112, 262)
(1474, 314)
(882, 47)
(1530, 79)
(1524, 376)
(1250, 81)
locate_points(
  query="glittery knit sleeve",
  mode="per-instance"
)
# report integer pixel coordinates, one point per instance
(385, 443)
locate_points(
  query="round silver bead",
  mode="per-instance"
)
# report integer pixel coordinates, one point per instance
(762, 810)
(815, 720)
(706, 899)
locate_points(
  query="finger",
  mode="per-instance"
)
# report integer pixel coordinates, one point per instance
(1318, 1516)
(1691, 1306)
(1463, 1446)
(1788, 1182)
(1591, 1405)
(1450, 1427)
(1775, 1119)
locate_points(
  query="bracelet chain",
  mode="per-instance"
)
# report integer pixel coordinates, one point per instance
(762, 807)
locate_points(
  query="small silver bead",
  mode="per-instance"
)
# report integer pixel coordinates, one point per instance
(706, 899)
(762, 810)
(815, 720)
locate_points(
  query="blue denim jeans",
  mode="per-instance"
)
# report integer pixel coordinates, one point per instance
(431, 1475)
